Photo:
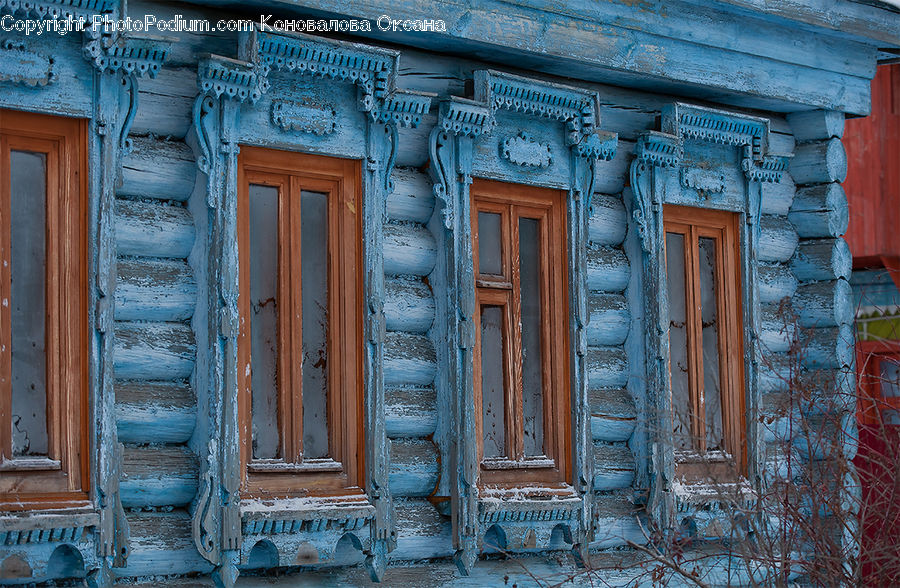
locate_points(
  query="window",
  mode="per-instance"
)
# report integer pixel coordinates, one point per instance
(300, 344)
(43, 312)
(879, 383)
(705, 341)
(521, 326)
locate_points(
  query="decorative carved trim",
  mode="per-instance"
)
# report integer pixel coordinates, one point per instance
(518, 511)
(404, 108)
(537, 98)
(293, 116)
(465, 118)
(704, 181)
(240, 80)
(770, 169)
(660, 149)
(132, 55)
(21, 66)
(717, 126)
(45, 528)
(278, 518)
(524, 150)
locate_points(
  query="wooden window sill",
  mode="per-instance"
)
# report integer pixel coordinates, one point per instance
(81, 514)
(312, 466)
(29, 464)
(352, 506)
(511, 464)
(704, 492)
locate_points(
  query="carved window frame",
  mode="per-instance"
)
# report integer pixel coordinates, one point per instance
(461, 146)
(227, 116)
(661, 174)
(95, 80)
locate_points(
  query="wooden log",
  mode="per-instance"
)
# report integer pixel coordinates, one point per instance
(422, 533)
(778, 418)
(610, 175)
(167, 100)
(607, 367)
(816, 125)
(155, 412)
(161, 542)
(154, 351)
(410, 412)
(158, 476)
(776, 281)
(822, 259)
(776, 329)
(777, 239)
(616, 522)
(164, 170)
(613, 415)
(152, 229)
(414, 468)
(776, 373)
(833, 390)
(610, 319)
(412, 198)
(613, 467)
(820, 162)
(154, 290)
(409, 249)
(608, 221)
(607, 269)
(824, 304)
(778, 196)
(820, 211)
(831, 347)
(408, 305)
(409, 360)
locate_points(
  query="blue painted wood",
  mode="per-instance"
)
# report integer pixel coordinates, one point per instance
(607, 222)
(153, 229)
(820, 211)
(408, 305)
(616, 523)
(824, 304)
(777, 239)
(409, 249)
(613, 415)
(777, 328)
(161, 542)
(422, 532)
(155, 412)
(610, 319)
(409, 360)
(158, 476)
(414, 467)
(816, 125)
(775, 282)
(819, 162)
(777, 197)
(607, 269)
(607, 367)
(613, 467)
(822, 259)
(162, 170)
(412, 199)
(154, 290)
(828, 348)
(154, 351)
(410, 412)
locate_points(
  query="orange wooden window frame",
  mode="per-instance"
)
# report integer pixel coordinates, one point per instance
(724, 228)
(63, 480)
(871, 401)
(340, 179)
(512, 202)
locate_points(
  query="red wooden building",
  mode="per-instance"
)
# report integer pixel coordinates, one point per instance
(873, 195)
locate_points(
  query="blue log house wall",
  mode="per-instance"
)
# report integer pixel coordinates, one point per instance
(731, 104)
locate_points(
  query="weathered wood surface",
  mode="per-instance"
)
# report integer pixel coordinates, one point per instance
(819, 162)
(607, 269)
(158, 476)
(163, 170)
(831, 347)
(777, 328)
(154, 351)
(161, 544)
(616, 522)
(815, 125)
(822, 259)
(613, 415)
(820, 211)
(155, 412)
(776, 281)
(777, 238)
(410, 412)
(613, 467)
(409, 249)
(409, 360)
(421, 531)
(412, 198)
(154, 290)
(608, 222)
(414, 467)
(778, 196)
(149, 228)
(408, 305)
(166, 102)
(607, 367)
(610, 319)
(824, 304)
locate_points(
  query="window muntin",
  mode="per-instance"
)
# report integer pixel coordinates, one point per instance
(521, 324)
(706, 371)
(43, 315)
(300, 250)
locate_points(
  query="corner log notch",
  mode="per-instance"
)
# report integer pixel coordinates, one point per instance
(228, 88)
(507, 102)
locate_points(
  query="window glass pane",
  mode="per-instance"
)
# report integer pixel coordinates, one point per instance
(492, 382)
(489, 260)
(678, 362)
(28, 233)
(532, 364)
(890, 377)
(710, 325)
(314, 279)
(263, 260)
